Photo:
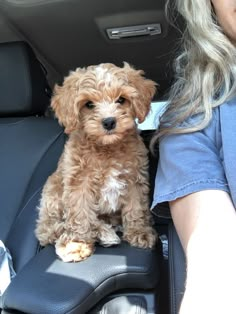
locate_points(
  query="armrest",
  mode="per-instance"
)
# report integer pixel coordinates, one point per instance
(177, 269)
(47, 285)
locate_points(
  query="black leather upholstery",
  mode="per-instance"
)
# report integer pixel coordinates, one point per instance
(24, 88)
(29, 148)
(177, 270)
(75, 287)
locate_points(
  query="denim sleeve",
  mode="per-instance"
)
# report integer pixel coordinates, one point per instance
(190, 163)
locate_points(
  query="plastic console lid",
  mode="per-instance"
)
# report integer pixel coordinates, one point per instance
(46, 285)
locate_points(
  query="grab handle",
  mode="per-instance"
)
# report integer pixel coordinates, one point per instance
(134, 31)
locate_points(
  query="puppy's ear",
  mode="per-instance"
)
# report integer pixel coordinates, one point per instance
(65, 103)
(144, 91)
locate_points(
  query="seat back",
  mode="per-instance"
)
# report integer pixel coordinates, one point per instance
(30, 146)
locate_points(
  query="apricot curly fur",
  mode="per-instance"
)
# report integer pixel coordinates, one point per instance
(102, 173)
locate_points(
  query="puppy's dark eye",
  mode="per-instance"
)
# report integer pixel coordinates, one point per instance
(89, 105)
(121, 100)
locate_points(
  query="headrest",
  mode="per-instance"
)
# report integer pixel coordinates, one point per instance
(23, 86)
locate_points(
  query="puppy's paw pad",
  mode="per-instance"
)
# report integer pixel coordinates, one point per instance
(145, 238)
(74, 251)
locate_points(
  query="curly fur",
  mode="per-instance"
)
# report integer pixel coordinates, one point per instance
(102, 174)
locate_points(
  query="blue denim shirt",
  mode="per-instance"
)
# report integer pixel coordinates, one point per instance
(200, 160)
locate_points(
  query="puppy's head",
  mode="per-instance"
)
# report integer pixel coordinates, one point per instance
(103, 100)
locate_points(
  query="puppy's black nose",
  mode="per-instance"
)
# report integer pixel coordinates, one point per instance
(109, 123)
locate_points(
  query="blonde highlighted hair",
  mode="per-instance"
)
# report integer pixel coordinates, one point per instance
(205, 69)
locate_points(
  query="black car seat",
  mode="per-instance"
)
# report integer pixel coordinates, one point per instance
(30, 146)
(124, 278)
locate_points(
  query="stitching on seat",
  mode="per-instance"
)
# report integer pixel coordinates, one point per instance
(12, 123)
(27, 75)
(26, 204)
(39, 162)
(30, 180)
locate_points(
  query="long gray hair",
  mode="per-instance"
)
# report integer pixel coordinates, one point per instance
(205, 69)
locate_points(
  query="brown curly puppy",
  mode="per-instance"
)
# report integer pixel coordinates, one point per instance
(103, 171)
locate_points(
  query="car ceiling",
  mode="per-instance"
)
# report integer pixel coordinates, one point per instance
(66, 34)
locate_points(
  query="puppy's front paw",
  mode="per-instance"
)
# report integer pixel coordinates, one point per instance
(74, 251)
(107, 236)
(142, 238)
(109, 240)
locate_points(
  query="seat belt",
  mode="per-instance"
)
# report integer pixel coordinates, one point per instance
(7, 271)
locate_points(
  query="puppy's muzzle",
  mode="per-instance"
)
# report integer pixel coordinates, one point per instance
(109, 123)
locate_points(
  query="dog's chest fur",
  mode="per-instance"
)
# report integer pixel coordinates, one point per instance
(113, 188)
(107, 175)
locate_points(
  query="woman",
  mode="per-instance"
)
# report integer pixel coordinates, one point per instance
(197, 167)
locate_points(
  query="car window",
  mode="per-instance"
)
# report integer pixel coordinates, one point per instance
(152, 120)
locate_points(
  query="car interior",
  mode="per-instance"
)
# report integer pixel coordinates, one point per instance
(40, 42)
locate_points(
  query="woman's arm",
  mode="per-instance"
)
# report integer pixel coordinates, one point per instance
(206, 224)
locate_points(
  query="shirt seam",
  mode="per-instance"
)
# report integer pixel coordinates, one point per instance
(221, 182)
